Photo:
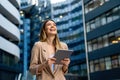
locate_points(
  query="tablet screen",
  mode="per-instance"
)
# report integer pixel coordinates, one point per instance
(61, 54)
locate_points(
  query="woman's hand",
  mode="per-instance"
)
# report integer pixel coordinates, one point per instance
(65, 61)
(51, 61)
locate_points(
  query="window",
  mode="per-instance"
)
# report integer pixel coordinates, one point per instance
(94, 43)
(102, 64)
(7, 58)
(97, 66)
(109, 17)
(114, 61)
(89, 46)
(100, 43)
(90, 6)
(111, 38)
(97, 22)
(86, 9)
(92, 25)
(118, 38)
(116, 13)
(88, 27)
(1, 60)
(102, 2)
(91, 66)
(117, 33)
(105, 40)
(94, 4)
(108, 63)
(107, 0)
(119, 60)
(105, 63)
(83, 69)
(97, 3)
(103, 20)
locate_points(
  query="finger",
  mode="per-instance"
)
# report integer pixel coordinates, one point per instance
(53, 58)
(66, 58)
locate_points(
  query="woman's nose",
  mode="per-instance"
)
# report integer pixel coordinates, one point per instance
(52, 25)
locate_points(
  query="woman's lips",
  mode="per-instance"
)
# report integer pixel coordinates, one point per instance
(52, 29)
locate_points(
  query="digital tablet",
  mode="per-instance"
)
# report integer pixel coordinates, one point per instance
(61, 54)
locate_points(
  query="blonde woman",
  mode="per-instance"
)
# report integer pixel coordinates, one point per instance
(42, 62)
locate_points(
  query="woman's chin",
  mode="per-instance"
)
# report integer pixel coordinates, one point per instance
(52, 33)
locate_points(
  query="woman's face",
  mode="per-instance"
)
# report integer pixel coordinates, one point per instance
(50, 28)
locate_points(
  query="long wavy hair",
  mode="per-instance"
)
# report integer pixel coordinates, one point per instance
(43, 36)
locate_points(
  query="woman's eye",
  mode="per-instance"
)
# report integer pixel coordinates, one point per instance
(48, 24)
(54, 24)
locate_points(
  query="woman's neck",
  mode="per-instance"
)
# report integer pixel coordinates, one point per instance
(50, 40)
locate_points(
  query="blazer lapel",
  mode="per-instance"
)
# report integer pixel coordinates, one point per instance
(46, 55)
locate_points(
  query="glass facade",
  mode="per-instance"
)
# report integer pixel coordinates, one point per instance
(103, 33)
(42, 13)
(93, 4)
(104, 41)
(9, 39)
(25, 42)
(106, 63)
(68, 16)
(103, 19)
(25, 32)
(24, 45)
(6, 58)
(102, 24)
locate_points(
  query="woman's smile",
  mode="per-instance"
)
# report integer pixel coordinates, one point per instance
(52, 29)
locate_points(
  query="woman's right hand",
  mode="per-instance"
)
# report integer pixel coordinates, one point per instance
(51, 61)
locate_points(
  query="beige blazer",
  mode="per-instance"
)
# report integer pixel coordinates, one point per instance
(38, 64)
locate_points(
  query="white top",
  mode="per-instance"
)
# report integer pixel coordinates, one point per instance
(52, 66)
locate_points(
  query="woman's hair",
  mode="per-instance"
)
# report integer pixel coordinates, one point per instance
(43, 36)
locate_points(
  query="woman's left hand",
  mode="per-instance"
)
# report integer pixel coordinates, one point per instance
(65, 61)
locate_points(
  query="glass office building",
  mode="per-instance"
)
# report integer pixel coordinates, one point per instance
(102, 22)
(43, 13)
(27, 9)
(33, 13)
(68, 16)
(9, 39)
(24, 48)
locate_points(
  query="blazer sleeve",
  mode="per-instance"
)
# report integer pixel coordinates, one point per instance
(64, 45)
(35, 66)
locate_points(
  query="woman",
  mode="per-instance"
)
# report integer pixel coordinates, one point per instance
(42, 62)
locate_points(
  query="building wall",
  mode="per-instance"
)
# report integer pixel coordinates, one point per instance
(68, 16)
(25, 43)
(32, 17)
(44, 13)
(25, 47)
(9, 38)
(102, 20)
